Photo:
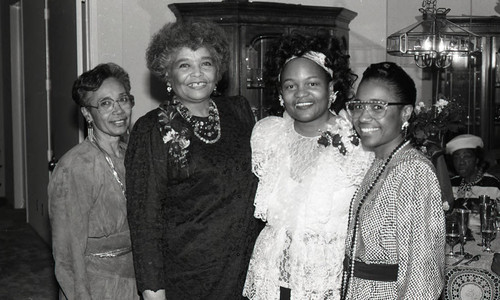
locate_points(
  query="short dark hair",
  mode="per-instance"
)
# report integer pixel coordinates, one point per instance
(297, 44)
(92, 80)
(393, 75)
(191, 34)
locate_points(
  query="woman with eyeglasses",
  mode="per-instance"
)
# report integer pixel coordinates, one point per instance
(309, 163)
(396, 232)
(87, 205)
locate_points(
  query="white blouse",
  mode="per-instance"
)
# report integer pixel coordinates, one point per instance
(303, 195)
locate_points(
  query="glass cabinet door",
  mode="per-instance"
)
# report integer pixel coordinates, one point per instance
(475, 83)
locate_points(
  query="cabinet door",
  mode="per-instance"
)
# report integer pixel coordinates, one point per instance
(255, 42)
(475, 84)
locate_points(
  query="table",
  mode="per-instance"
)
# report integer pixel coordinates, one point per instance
(475, 281)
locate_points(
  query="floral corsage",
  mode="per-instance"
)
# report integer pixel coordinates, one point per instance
(341, 136)
(177, 137)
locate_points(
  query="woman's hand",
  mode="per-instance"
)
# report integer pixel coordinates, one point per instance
(150, 295)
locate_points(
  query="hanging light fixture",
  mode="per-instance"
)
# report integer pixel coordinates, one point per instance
(434, 40)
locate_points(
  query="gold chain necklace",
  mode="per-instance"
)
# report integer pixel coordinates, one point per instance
(110, 164)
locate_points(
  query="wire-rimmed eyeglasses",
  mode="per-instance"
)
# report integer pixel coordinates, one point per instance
(376, 108)
(107, 104)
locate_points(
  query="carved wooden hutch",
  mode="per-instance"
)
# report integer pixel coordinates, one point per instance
(251, 26)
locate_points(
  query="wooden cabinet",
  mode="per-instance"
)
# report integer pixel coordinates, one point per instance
(475, 81)
(251, 26)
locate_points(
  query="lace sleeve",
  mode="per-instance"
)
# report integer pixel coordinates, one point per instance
(265, 145)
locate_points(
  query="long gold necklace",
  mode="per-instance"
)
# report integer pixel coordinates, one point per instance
(110, 164)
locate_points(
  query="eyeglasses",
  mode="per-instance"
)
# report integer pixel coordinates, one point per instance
(107, 104)
(376, 108)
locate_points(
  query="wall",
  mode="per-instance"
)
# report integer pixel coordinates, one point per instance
(134, 22)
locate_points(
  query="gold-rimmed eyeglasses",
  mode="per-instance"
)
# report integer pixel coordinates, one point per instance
(107, 104)
(376, 108)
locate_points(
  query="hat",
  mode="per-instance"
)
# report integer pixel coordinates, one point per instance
(464, 141)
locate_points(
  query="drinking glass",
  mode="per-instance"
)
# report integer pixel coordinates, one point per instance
(462, 217)
(452, 233)
(488, 233)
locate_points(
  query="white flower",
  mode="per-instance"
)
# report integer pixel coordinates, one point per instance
(169, 136)
(440, 105)
(184, 143)
(419, 107)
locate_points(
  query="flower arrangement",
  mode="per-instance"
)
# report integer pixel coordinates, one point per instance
(433, 123)
(177, 138)
(341, 136)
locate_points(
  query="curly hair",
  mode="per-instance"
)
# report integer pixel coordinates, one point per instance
(191, 34)
(91, 81)
(393, 75)
(297, 44)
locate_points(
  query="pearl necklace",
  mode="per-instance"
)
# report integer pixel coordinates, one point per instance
(208, 131)
(349, 274)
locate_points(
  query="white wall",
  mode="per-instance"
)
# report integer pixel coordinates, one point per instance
(124, 27)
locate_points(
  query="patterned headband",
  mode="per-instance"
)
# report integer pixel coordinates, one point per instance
(317, 57)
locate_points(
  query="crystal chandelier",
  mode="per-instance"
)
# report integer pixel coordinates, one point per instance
(434, 40)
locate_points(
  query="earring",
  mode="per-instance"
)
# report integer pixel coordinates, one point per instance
(332, 98)
(282, 102)
(90, 129)
(169, 88)
(404, 128)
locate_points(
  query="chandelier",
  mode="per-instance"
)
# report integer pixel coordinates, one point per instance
(434, 40)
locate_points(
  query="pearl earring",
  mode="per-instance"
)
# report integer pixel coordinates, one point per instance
(404, 128)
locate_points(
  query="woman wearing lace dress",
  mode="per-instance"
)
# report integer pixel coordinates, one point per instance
(309, 163)
(396, 234)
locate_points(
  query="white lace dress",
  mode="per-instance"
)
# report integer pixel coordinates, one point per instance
(303, 195)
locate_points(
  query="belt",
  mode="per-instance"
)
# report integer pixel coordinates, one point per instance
(112, 253)
(375, 272)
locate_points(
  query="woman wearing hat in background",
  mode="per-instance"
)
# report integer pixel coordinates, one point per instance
(471, 180)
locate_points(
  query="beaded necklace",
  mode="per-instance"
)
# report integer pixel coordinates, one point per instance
(208, 131)
(466, 187)
(349, 271)
(110, 164)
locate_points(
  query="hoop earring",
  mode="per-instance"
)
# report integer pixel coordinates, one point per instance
(280, 99)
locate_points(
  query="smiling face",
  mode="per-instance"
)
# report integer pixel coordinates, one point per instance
(193, 75)
(111, 124)
(305, 89)
(384, 134)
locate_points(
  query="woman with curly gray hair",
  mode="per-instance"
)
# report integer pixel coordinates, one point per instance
(191, 188)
